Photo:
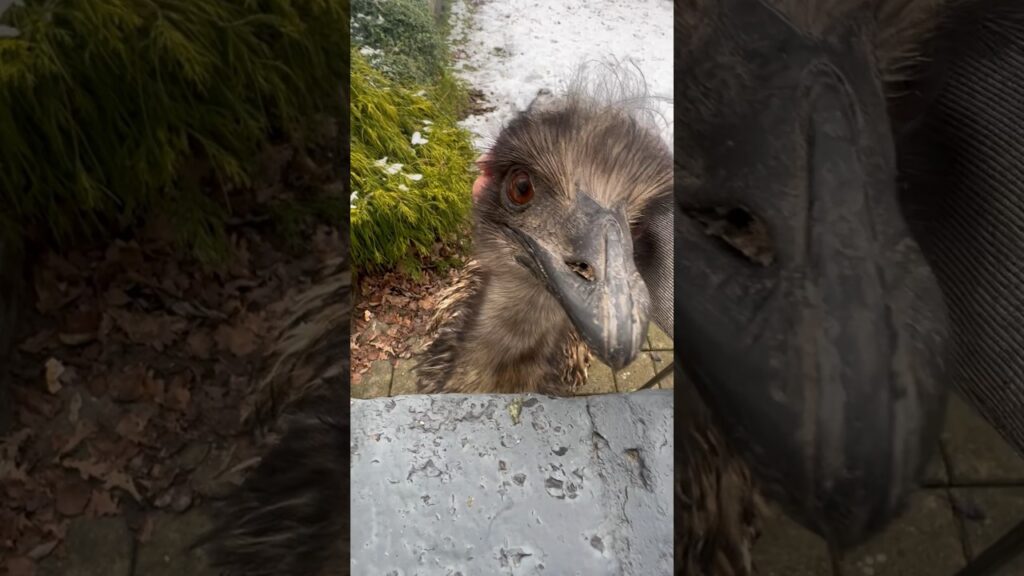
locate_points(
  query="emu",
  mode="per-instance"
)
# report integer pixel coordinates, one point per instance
(572, 247)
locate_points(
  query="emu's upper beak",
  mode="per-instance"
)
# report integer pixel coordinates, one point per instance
(826, 364)
(597, 282)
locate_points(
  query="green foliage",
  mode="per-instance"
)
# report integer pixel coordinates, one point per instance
(400, 38)
(397, 216)
(105, 104)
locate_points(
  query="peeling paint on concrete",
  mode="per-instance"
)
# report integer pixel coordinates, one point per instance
(449, 484)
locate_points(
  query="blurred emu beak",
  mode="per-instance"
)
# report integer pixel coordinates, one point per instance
(826, 364)
(597, 282)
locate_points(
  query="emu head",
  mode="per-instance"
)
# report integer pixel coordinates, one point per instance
(568, 182)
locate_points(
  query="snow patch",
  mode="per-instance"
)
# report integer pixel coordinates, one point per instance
(514, 48)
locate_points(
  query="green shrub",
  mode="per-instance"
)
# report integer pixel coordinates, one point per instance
(400, 38)
(110, 108)
(397, 216)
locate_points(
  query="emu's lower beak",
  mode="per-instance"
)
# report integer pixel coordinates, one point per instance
(597, 282)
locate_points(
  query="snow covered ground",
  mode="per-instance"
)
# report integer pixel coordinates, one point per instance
(509, 49)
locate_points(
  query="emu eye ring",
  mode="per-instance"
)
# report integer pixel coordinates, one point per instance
(520, 188)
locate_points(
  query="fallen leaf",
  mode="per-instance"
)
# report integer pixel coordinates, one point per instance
(74, 408)
(118, 479)
(102, 503)
(54, 370)
(239, 341)
(132, 426)
(199, 344)
(88, 468)
(43, 550)
(178, 395)
(131, 384)
(155, 330)
(82, 431)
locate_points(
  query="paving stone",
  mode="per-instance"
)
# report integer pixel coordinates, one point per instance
(935, 474)
(600, 380)
(924, 540)
(988, 513)
(788, 549)
(658, 339)
(404, 381)
(167, 551)
(376, 382)
(94, 547)
(977, 453)
(636, 374)
(659, 360)
(513, 484)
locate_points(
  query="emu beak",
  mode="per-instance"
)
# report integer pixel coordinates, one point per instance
(597, 282)
(826, 362)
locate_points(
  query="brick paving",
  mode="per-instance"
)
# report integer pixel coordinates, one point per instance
(395, 379)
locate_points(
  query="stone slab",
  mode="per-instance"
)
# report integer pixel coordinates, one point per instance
(788, 549)
(403, 382)
(924, 540)
(600, 380)
(977, 453)
(376, 382)
(635, 375)
(510, 484)
(658, 339)
(936, 473)
(94, 547)
(167, 552)
(988, 514)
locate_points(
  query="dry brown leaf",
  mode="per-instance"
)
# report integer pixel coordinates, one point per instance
(43, 550)
(102, 503)
(132, 426)
(74, 407)
(54, 370)
(119, 479)
(155, 330)
(88, 468)
(199, 344)
(82, 431)
(178, 395)
(131, 384)
(237, 340)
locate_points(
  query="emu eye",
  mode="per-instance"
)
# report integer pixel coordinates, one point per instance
(520, 188)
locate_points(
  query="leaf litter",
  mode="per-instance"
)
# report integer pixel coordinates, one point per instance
(127, 378)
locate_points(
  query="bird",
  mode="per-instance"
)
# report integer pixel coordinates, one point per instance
(572, 245)
(899, 117)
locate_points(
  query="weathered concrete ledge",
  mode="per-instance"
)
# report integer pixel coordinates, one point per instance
(503, 484)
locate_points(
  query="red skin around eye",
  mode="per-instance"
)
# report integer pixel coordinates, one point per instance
(484, 179)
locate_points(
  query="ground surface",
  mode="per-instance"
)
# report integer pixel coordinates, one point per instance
(516, 484)
(132, 369)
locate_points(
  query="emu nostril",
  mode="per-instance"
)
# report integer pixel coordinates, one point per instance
(584, 270)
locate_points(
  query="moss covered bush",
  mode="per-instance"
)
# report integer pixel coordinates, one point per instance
(109, 108)
(400, 38)
(411, 163)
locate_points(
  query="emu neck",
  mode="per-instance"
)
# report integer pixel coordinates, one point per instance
(518, 338)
